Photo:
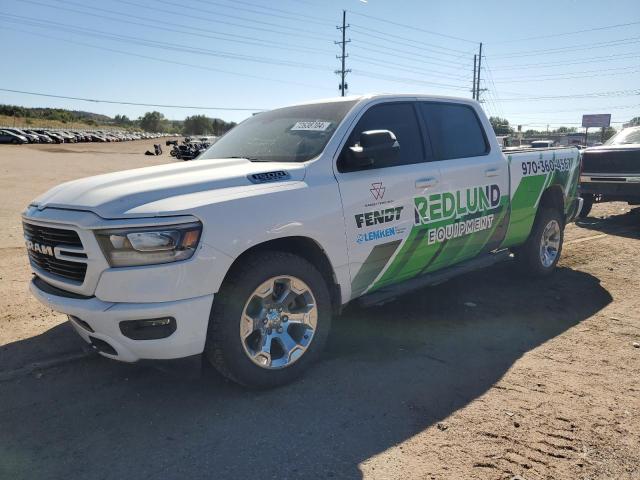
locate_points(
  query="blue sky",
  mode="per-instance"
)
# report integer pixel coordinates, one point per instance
(258, 54)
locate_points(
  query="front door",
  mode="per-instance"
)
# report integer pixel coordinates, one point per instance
(378, 201)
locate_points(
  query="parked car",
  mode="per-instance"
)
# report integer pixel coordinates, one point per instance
(611, 172)
(30, 137)
(9, 137)
(542, 144)
(54, 136)
(246, 253)
(41, 137)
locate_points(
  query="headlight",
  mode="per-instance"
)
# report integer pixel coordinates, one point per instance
(128, 247)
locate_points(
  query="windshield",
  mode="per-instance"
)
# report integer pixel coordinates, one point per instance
(625, 137)
(290, 134)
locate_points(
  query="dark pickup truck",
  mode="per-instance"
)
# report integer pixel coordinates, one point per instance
(611, 172)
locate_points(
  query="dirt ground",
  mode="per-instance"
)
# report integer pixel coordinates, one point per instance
(488, 376)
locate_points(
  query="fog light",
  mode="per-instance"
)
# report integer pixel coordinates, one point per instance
(151, 329)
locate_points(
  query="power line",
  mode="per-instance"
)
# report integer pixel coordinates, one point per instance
(168, 27)
(410, 56)
(172, 23)
(172, 62)
(580, 110)
(405, 67)
(272, 8)
(615, 93)
(162, 45)
(558, 64)
(218, 14)
(411, 27)
(493, 86)
(409, 81)
(308, 19)
(553, 35)
(573, 48)
(119, 102)
(218, 21)
(404, 41)
(552, 76)
(574, 77)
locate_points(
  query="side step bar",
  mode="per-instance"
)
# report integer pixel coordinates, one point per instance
(387, 293)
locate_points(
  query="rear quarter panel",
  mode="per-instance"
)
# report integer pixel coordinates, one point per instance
(531, 173)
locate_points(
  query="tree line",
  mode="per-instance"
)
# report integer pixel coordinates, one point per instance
(150, 121)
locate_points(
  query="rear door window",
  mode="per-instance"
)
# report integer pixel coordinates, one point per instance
(454, 130)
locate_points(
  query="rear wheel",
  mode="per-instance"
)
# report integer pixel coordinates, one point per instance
(541, 252)
(269, 321)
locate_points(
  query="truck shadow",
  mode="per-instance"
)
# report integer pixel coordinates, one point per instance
(624, 225)
(389, 373)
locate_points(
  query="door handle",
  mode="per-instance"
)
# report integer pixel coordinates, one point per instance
(492, 172)
(426, 182)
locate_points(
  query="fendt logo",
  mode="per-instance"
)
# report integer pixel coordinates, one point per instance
(37, 247)
(377, 190)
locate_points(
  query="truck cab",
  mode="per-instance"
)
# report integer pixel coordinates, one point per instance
(247, 254)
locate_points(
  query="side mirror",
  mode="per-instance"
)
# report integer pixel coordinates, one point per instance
(375, 146)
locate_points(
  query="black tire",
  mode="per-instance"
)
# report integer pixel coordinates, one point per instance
(587, 204)
(224, 348)
(14, 141)
(528, 256)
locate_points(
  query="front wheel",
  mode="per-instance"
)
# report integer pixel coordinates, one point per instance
(540, 253)
(269, 321)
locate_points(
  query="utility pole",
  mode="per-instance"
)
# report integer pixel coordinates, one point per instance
(473, 91)
(343, 71)
(478, 89)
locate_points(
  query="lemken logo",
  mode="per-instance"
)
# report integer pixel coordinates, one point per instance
(443, 206)
(377, 217)
(39, 248)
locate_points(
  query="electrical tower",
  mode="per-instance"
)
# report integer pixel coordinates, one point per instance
(343, 44)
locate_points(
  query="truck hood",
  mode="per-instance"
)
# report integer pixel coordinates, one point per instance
(171, 189)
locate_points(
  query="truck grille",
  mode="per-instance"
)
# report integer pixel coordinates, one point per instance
(40, 237)
(620, 161)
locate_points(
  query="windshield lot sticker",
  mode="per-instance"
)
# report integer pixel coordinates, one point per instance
(315, 126)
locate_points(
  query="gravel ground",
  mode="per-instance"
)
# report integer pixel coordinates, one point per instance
(488, 376)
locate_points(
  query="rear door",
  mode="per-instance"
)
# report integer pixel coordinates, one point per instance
(378, 200)
(468, 216)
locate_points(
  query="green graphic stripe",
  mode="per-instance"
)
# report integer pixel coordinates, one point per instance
(372, 266)
(477, 242)
(417, 256)
(415, 253)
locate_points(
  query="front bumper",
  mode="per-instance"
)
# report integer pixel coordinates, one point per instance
(611, 186)
(192, 318)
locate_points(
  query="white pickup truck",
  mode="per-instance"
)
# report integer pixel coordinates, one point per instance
(248, 252)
